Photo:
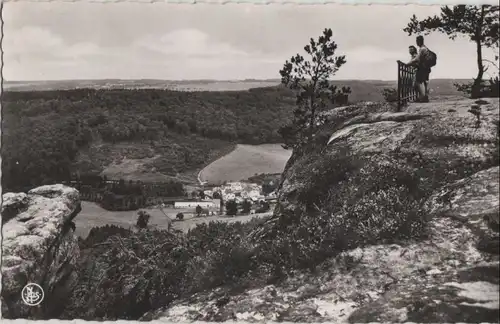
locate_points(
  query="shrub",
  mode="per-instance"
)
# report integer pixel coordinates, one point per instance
(381, 202)
(246, 206)
(129, 273)
(143, 219)
(231, 208)
(488, 89)
(99, 235)
(390, 95)
(198, 210)
(179, 216)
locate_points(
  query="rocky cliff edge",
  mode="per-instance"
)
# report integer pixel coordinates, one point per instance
(39, 246)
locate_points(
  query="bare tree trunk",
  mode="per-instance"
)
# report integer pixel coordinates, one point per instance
(476, 87)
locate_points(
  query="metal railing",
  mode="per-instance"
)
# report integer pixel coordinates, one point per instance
(406, 84)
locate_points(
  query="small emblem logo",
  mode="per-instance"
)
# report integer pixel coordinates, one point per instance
(32, 294)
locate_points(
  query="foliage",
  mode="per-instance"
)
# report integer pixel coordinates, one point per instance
(310, 80)
(475, 110)
(487, 89)
(231, 208)
(264, 178)
(85, 129)
(130, 273)
(479, 23)
(143, 219)
(198, 210)
(98, 235)
(265, 207)
(246, 206)
(179, 216)
(390, 95)
(370, 203)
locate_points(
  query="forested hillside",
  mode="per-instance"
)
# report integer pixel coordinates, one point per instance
(49, 135)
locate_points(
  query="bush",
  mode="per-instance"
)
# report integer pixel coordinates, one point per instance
(143, 219)
(380, 202)
(231, 208)
(99, 235)
(390, 95)
(130, 273)
(488, 89)
(179, 216)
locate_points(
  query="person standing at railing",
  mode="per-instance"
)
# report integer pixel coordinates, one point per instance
(421, 61)
(413, 53)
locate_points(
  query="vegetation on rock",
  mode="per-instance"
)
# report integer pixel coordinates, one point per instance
(310, 80)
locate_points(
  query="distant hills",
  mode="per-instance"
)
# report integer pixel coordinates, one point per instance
(180, 85)
(361, 89)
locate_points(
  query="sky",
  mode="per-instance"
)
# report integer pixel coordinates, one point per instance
(84, 40)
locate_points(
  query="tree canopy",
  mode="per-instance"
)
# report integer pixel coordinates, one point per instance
(49, 135)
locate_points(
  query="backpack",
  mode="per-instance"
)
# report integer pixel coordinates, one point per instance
(431, 59)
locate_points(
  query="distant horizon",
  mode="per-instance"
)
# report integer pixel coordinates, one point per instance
(204, 80)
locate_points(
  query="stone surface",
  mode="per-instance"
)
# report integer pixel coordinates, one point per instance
(471, 200)
(427, 132)
(39, 246)
(474, 202)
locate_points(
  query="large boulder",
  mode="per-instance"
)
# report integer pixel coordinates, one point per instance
(474, 202)
(39, 246)
(439, 143)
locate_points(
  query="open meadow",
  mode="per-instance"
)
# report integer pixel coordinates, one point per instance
(246, 161)
(92, 215)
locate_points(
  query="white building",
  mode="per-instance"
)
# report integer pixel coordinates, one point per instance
(194, 204)
(254, 194)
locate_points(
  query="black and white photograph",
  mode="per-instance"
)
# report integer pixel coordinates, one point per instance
(248, 163)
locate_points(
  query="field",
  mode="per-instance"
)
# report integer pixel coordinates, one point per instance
(93, 215)
(194, 85)
(246, 161)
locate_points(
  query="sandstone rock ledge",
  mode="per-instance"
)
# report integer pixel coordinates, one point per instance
(39, 246)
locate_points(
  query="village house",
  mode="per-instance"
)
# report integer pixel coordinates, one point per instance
(194, 204)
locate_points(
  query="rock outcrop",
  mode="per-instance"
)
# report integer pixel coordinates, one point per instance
(39, 246)
(449, 275)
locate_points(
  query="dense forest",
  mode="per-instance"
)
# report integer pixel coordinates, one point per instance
(50, 135)
(121, 194)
